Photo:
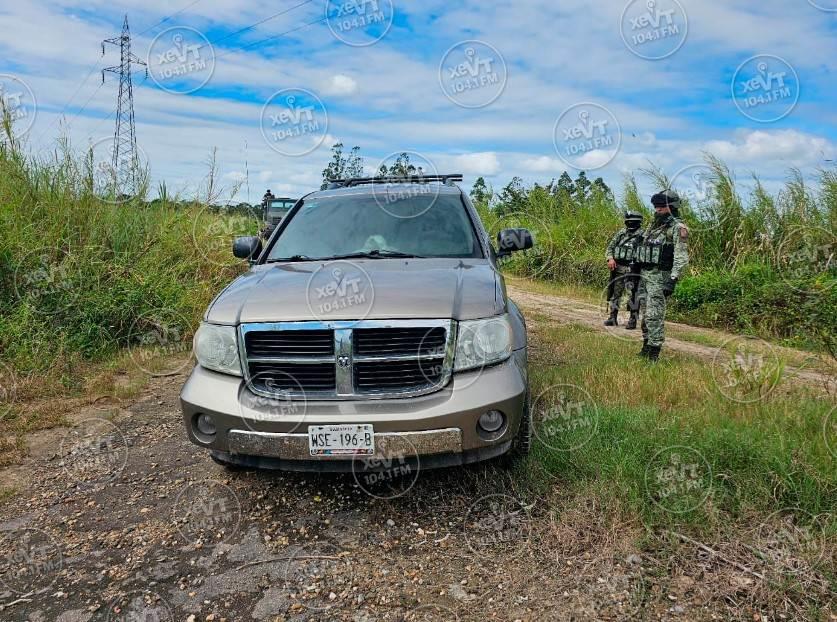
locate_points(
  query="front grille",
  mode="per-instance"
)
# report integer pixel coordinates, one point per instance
(289, 343)
(291, 377)
(406, 341)
(339, 360)
(377, 376)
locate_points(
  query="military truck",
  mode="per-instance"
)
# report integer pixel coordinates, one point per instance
(275, 209)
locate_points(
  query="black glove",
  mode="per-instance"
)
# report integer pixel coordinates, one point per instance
(668, 287)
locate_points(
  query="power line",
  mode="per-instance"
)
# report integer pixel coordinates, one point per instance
(167, 18)
(272, 37)
(259, 23)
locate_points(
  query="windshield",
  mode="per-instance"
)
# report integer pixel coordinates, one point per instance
(326, 227)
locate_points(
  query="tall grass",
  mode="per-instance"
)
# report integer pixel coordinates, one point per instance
(85, 271)
(760, 263)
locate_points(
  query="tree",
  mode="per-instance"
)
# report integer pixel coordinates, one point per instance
(565, 183)
(513, 197)
(601, 189)
(582, 187)
(402, 167)
(480, 193)
(342, 167)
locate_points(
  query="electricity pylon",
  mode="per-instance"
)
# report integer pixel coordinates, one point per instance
(125, 161)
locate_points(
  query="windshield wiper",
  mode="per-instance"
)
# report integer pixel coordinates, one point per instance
(291, 258)
(374, 254)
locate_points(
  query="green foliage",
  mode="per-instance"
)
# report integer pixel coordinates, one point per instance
(341, 166)
(82, 275)
(765, 264)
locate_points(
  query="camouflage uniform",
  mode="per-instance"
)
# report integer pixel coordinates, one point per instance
(620, 276)
(670, 239)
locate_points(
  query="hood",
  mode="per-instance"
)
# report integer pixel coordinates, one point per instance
(459, 289)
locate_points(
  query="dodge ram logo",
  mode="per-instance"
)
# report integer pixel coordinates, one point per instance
(343, 362)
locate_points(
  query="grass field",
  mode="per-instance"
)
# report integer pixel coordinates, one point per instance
(662, 447)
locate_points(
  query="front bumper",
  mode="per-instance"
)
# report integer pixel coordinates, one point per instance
(440, 429)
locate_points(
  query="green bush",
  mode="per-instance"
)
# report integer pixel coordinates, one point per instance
(739, 250)
(83, 273)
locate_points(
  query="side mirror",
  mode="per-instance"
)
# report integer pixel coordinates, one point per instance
(248, 247)
(513, 240)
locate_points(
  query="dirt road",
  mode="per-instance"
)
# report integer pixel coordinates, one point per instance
(120, 518)
(817, 371)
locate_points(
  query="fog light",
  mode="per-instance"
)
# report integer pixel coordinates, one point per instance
(205, 425)
(492, 420)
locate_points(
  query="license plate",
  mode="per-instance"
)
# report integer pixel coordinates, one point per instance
(341, 440)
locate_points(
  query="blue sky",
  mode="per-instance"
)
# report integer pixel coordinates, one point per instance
(528, 88)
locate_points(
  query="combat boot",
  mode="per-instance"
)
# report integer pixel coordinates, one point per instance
(613, 320)
(631, 325)
(644, 352)
(653, 354)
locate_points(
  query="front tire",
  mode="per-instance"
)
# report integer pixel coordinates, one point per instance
(523, 441)
(229, 466)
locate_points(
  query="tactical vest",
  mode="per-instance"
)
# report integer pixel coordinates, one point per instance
(625, 250)
(656, 251)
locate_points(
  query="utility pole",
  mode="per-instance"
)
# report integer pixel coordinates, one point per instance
(125, 163)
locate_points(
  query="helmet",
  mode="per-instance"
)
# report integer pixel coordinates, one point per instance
(667, 198)
(633, 220)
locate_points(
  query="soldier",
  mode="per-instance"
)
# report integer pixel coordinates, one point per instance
(620, 261)
(267, 198)
(662, 255)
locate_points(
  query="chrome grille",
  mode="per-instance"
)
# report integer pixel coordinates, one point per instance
(339, 360)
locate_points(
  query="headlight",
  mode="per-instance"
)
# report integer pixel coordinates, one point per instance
(216, 348)
(483, 342)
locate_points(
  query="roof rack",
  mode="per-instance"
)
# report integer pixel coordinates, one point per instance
(447, 179)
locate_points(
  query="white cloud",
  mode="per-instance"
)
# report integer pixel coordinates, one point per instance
(340, 85)
(543, 164)
(791, 147)
(485, 163)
